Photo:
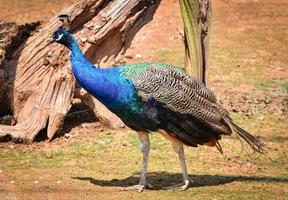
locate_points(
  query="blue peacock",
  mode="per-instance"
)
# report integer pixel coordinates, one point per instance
(156, 97)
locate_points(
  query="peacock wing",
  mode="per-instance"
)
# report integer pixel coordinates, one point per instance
(178, 92)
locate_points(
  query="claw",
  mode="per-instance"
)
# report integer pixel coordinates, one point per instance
(186, 185)
(139, 188)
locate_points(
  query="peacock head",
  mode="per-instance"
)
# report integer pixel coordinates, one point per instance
(62, 36)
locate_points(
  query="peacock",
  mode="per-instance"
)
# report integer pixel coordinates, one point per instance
(156, 97)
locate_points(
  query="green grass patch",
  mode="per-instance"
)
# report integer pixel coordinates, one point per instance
(173, 55)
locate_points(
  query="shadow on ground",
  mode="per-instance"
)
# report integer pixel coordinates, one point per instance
(160, 180)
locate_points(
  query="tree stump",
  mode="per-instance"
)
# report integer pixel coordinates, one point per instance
(36, 81)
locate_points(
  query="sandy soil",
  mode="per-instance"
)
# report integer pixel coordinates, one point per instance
(248, 51)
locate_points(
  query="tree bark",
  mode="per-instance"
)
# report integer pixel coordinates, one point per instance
(11, 37)
(40, 82)
(196, 16)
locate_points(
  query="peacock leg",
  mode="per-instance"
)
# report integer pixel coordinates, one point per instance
(145, 149)
(179, 149)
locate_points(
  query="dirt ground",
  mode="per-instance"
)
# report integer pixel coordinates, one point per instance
(248, 70)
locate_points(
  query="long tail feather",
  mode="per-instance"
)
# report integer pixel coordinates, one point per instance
(256, 144)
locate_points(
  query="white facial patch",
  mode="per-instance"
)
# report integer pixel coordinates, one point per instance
(60, 36)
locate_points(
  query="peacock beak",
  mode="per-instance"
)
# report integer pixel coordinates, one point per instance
(50, 40)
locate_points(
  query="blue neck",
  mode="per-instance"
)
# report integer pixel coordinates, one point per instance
(76, 53)
(107, 85)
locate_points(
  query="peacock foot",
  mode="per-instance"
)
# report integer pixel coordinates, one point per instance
(138, 187)
(186, 185)
(180, 186)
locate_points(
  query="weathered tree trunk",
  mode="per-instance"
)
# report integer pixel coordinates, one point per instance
(196, 16)
(11, 37)
(40, 84)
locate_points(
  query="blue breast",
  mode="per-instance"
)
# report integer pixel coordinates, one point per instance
(107, 85)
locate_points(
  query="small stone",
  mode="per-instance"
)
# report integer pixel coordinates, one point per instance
(11, 146)
(12, 182)
(68, 135)
(101, 142)
(280, 68)
(58, 182)
(1, 171)
(138, 55)
(36, 182)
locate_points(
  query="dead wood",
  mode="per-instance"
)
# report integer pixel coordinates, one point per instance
(40, 82)
(196, 16)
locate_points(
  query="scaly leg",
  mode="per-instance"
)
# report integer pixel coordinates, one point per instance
(145, 149)
(179, 149)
